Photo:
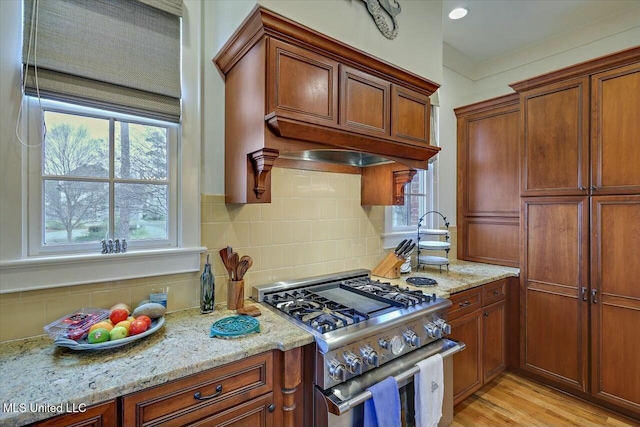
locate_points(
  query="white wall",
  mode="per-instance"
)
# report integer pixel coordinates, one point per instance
(455, 89)
(465, 83)
(417, 48)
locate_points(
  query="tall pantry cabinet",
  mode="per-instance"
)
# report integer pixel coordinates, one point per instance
(580, 228)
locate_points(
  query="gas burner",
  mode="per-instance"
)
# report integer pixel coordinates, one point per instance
(299, 304)
(371, 288)
(394, 293)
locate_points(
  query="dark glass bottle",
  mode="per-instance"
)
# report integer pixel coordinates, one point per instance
(206, 289)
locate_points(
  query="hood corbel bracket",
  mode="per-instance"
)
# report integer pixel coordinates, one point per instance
(262, 162)
(400, 179)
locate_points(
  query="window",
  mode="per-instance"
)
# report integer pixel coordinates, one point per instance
(101, 176)
(420, 197)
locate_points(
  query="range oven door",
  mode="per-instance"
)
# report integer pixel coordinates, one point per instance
(343, 405)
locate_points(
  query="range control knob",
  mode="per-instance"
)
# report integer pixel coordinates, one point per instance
(444, 326)
(337, 371)
(411, 338)
(354, 363)
(370, 356)
(432, 330)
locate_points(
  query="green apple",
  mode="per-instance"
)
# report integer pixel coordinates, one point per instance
(118, 332)
(98, 335)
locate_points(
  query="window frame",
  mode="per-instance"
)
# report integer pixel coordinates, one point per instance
(394, 234)
(35, 193)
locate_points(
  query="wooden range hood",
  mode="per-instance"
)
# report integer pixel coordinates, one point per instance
(296, 98)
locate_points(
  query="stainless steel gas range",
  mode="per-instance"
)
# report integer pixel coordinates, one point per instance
(365, 330)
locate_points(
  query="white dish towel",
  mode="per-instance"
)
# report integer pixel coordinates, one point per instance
(429, 391)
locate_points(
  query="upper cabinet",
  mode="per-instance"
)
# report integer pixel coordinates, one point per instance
(295, 95)
(555, 123)
(615, 131)
(579, 128)
(488, 181)
(291, 68)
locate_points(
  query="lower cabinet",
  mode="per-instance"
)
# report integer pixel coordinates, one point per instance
(478, 318)
(103, 414)
(237, 394)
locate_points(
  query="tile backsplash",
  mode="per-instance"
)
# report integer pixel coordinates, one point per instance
(314, 225)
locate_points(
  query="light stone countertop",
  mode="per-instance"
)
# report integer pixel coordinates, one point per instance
(34, 371)
(460, 276)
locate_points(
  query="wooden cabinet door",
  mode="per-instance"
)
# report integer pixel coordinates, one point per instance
(255, 413)
(364, 102)
(104, 414)
(494, 354)
(302, 85)
(615, 133)
(467, 367)
(410, 116)
(555, 283)
(615, 303)
(555, 136)
(488, 191)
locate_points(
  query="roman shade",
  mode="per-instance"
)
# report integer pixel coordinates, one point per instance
(122, 55)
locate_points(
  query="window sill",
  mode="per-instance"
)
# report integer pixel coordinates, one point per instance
(55, 271)
(391, 240)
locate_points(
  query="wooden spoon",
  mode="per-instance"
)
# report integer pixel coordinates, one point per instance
(224, 256)
(232, 265)
(244, 264)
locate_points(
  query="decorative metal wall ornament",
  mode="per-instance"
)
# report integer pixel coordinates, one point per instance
(375, 8)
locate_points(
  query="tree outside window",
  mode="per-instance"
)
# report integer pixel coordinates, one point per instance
(103, 179)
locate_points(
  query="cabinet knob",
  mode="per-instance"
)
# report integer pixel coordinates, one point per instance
(486, 315)
(583, 188)
(271, 407)
(594, 188)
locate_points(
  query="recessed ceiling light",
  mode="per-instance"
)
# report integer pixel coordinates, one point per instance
(459, 12)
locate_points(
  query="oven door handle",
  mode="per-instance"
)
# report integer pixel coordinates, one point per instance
(347, 405)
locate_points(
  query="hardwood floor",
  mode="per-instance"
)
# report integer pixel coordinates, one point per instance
(510, 400)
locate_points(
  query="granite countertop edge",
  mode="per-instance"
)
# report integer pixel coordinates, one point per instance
(182, 347)
(155, 359)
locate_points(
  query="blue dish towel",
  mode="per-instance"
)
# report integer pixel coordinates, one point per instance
(383, 409)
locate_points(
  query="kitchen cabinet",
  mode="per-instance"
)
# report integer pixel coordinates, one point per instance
(579, 128)
(478, 318)
(296, 98)
(555, 126)
(488, 181)
(209, 397)
(103, 414)
(615, 150)
(581, 246)
(291, 68)
(555, 281)
(615, 300)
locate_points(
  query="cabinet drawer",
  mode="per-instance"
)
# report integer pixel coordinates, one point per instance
(175, 403)
(494, 291)
(465, 302)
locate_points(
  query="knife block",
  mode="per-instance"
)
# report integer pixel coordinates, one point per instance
(389, 267)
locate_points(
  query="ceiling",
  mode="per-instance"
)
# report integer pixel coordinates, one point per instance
(494, 28)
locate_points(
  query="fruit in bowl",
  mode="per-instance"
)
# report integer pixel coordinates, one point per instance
(117, 333)
(118, 315)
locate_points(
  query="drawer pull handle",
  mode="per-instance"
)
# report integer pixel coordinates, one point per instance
(199, 396)
(465, 304)
(496, 292)
(271, 407)
(593, 296)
